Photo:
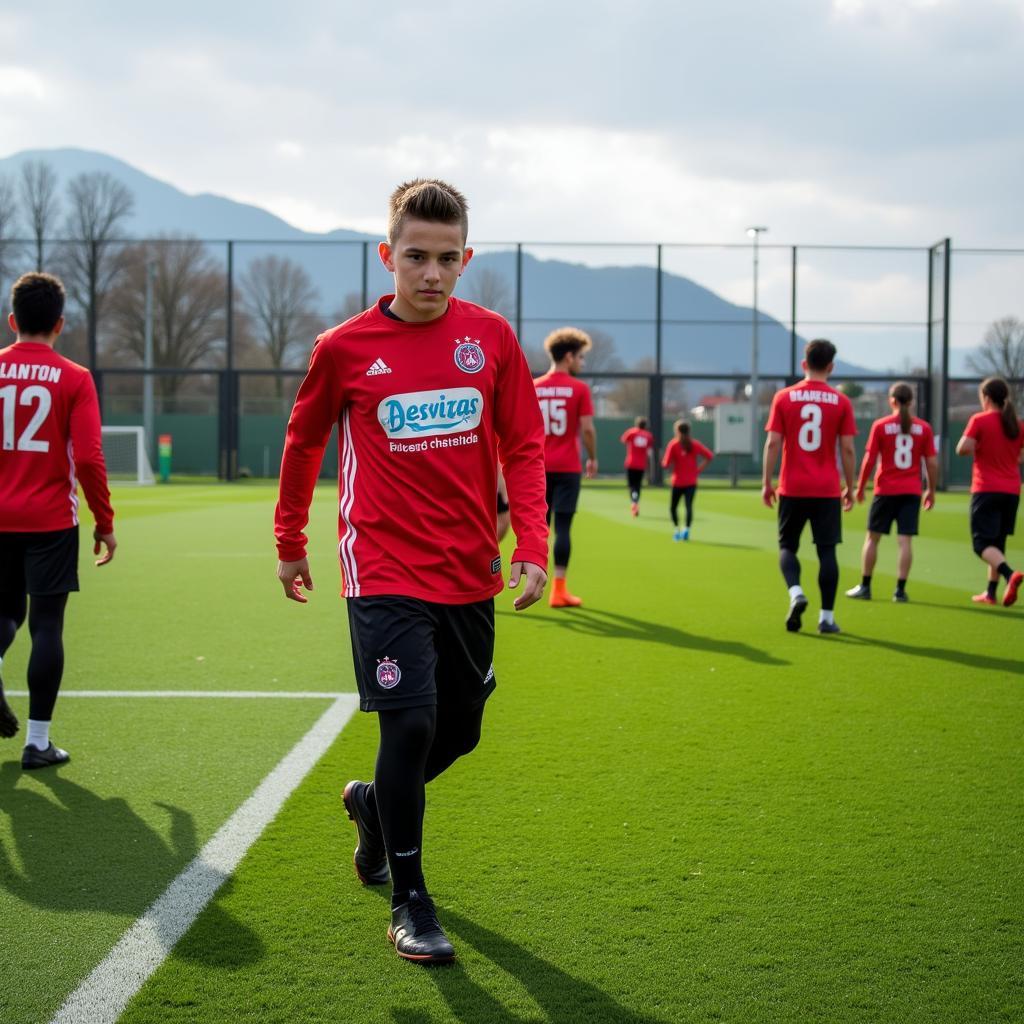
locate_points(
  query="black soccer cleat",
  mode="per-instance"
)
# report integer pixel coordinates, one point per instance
(859, 592)
(797, 607)
(33, 757)
(417, 934)
(900, 597)
(8, 719)
(829, 627)
(370, 857)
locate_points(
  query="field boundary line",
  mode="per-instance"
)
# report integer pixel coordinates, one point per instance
(231, 694)
(103, 996)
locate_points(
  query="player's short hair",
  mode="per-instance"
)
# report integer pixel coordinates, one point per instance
(820, 354)
(426, 199)
(561, 342)
(997, 391)
(37, 302)
(641, 422)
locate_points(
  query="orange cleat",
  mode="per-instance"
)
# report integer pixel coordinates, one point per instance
(635, 509)
(983, 598)
(561, 598)
(1012, 586)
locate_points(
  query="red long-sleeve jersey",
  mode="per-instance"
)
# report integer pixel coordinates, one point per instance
(49, 442)
(421, 409)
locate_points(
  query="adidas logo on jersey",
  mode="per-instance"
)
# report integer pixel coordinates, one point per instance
(378, 367)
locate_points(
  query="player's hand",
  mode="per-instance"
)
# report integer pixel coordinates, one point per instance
(929, 499)
(294, 576)
(768, 495)
(591, 473)
(847, 499)
(106, 540)
(536, 580)
(860, 495)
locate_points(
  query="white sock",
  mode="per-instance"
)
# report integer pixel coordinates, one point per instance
(796, 591)
(826, 616)
(38, 735)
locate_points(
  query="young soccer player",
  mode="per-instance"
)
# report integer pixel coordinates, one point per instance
(995, 438)
(899, 443)
(805, 423)
(568, 412)
(639, 442)
(427, 391)
(688, 458)
(50, 427)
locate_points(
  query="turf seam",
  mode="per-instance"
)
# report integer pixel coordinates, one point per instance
(103, 995)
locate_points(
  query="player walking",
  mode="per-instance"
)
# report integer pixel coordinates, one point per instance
(805, 423)
(688, 458)
(568, 412)
(50, 427)
(899, 443)
(639, 442)
(427, 392)
(995, 438)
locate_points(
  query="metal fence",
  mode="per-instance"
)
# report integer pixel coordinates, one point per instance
(222, 329)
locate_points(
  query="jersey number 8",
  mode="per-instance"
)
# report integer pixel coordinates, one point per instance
(27, 442)
(809, 437)
(903, 456)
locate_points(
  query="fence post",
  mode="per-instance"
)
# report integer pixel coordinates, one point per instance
(655, 415)
(947, 246)
(792, 318)
(229, 317)
(365, 293)
(519, 291)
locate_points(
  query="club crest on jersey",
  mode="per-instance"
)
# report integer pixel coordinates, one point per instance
(426, 413)
(469, 356)
(388, 674)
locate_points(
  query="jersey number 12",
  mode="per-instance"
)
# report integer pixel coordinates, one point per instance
(34, 395)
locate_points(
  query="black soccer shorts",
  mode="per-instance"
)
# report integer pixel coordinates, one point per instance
(993, 518)
(824, 515)
(411, 653)
(563, 493)
(902, 509)
(39, 564)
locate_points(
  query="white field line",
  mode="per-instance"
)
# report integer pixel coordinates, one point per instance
(239, 694)
(103, 996)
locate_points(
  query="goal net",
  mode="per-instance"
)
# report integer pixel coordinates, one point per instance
(124, 449)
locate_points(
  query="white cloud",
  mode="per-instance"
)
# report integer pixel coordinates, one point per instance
(18, 83)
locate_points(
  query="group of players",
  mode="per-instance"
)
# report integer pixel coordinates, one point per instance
(430, 395)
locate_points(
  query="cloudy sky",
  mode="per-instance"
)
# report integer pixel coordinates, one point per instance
(854, 121)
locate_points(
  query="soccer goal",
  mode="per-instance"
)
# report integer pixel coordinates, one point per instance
(124, 449)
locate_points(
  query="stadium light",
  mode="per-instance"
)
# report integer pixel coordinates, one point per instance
(754, 233)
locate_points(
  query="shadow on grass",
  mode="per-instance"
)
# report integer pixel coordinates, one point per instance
(612, 625)
(969, 659)
(79, 852)
(560, 996)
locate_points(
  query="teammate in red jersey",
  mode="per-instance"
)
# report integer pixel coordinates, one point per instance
(639, 442)
(688, 458)
(805, 423)
(568, 412)
(428, 393)
(995, 438)
(49, 442)
(900, 443)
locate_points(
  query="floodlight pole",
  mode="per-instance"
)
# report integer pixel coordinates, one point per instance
(755, 434)
(147, 361)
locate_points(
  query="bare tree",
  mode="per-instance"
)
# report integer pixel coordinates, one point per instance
(99, 205)
(8, 226)
(188, 307)
(39, 198)
(279, 295)
(1001, 350)
(486, 287)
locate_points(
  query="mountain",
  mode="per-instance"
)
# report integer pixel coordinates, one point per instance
(702, 332)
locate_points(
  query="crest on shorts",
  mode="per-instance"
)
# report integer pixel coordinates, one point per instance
(469, 356)
(388, 674)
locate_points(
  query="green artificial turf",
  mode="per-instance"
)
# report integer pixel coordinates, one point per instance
(678, 812)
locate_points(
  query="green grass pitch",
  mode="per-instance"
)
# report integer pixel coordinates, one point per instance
(678, 812)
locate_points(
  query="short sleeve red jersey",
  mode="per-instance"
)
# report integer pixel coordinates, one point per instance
(899, 455)
(811, 416)
(638, 444)
(49, 442)
(996, 457)
(563, 400)
(684, 463)
(421, 409)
